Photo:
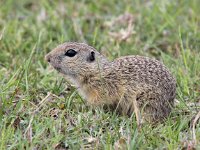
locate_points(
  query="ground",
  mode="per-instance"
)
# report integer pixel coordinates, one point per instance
(40, 110)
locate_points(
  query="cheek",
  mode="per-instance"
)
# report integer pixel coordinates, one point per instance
(71, 62)
(69, 65)
(74, 65)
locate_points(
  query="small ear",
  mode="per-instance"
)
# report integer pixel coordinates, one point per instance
(91, 56)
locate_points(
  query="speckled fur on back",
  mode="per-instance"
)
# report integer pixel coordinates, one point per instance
(151, 80)
(130, 84)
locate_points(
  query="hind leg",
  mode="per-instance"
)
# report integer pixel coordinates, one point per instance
(137, 111)
(128, 105)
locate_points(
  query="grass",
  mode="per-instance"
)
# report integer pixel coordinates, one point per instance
(40, 110)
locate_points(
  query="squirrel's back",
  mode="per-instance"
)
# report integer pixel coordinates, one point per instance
(144, 70)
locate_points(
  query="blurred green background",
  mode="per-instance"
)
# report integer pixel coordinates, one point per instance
(40, 110)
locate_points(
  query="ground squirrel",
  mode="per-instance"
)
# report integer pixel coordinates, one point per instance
(131, 83)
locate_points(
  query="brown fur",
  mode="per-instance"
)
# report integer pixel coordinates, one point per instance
(131, 83)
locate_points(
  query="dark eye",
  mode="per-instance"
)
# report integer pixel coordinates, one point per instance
(70, 53)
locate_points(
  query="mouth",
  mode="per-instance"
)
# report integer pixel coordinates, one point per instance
(58, 69)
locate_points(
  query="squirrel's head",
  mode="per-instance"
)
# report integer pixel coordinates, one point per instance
(74, 59)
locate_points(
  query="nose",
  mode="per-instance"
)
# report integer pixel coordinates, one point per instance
(48, 58)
